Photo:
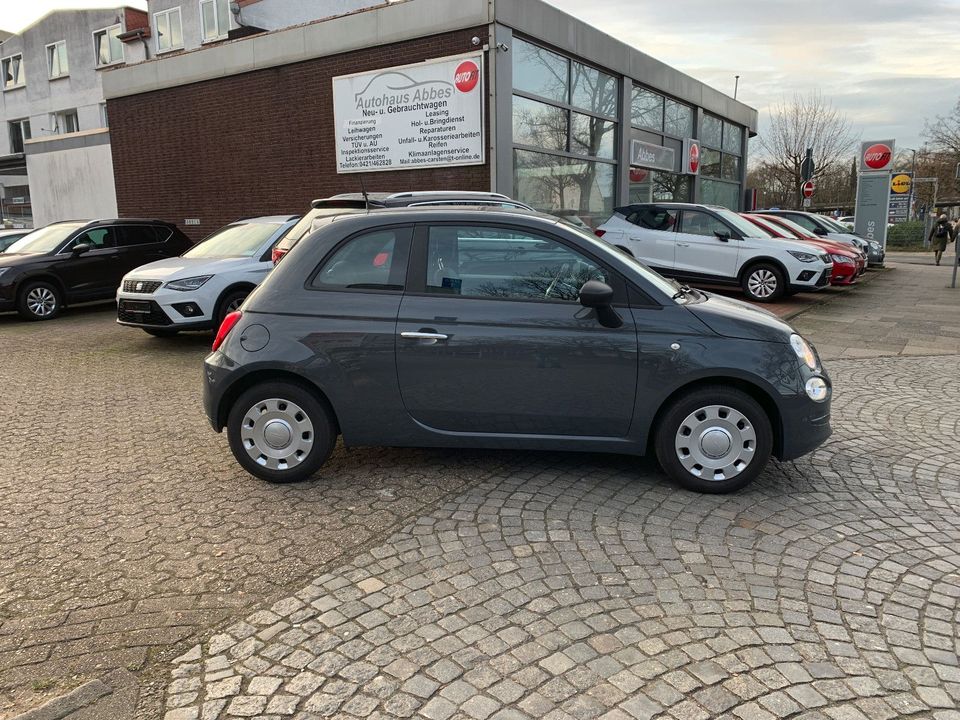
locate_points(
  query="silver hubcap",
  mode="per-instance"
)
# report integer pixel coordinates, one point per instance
(716, 442)
(762, 283)
(277, 434)
(41, 301)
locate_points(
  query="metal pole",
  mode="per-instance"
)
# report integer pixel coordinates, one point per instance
(736, 85)
(913, 177)
(956, 262)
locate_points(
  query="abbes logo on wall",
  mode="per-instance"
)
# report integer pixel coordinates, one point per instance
(876, 155)
(466, 76)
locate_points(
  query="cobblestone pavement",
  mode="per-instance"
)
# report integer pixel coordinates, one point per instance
(473, 585)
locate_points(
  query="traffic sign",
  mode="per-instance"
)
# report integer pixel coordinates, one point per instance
(807, 188)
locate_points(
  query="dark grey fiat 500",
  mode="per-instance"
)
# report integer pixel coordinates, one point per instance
(487, 328)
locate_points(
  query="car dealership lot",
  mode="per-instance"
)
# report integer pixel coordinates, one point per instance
(582, 584)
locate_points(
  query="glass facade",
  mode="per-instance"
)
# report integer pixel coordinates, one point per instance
(720, 162)
(564, 134)
(659, 120)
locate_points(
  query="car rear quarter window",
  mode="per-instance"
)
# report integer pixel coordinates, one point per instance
(372, 260)
(488, 262)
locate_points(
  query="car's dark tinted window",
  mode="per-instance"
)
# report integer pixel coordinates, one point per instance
(97, 238)
(488, 262)
(129, 235)
(803, 221)
(374, 260)
(696, 222)
(654, 218)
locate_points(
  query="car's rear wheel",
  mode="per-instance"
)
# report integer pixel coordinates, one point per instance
(763, 282)
(714, 440)
(160, 333)
(39, 300)
(280, 432)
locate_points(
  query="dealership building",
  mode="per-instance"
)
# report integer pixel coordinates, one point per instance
(513, 96)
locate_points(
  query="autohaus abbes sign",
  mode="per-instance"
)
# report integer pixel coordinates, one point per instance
(648, 155)
(425, 115)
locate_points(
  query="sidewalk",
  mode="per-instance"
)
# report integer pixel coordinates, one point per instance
(908, 310)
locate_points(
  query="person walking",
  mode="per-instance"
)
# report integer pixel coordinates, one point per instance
(941, 233)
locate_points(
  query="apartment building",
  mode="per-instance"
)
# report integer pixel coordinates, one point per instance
(55, 160)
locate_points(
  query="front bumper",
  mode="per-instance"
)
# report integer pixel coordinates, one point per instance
(818, 280)
(163, 309)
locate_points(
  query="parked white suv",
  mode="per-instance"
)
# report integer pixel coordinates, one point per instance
(703, 243)
(196, 290)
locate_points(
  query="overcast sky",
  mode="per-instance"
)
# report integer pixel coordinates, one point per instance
(887, 64)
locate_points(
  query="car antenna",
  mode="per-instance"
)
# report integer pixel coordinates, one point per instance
(363, 191)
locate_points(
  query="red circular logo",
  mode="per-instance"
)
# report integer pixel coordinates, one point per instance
(694, 157)
(638, 175)
(877, 156)
(467, 76)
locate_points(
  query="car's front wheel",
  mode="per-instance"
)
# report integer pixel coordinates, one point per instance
(714, 440)
(280, 432)
(763, 282)
(228, 303)
(39, 300)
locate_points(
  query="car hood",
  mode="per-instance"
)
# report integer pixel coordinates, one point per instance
(18, 260)
(181, 267)
(737, 319)
(848, 237)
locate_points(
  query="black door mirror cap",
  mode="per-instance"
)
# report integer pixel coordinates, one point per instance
(81, 248)
(819, 231)
(595, 294)
(722, 236)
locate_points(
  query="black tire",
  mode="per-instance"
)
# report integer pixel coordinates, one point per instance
(160, 333)
(763, 282)
(675, 424)
(281, 401)
(228, 303)
(39, 300)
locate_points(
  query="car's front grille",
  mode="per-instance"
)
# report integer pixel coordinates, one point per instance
(824, 278)
(142, 312)
(141, 286)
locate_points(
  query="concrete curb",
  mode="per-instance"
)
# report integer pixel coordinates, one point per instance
(60, 707)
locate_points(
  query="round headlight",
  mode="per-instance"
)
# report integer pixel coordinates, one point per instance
(816, 388)
(803, 350)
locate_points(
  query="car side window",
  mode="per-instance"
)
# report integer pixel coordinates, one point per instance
(131, 235)
(370, 261)
(492, 262)
(803, 221)
(696, 222)
(654, 218)
(97, 239)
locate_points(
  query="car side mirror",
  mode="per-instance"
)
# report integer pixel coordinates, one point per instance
(722, 235)
(81, 248)
(599, 296)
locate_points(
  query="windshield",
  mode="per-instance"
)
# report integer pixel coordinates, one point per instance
(43, 240)
(743, 226)
(240, 240)
(305, 224)
(668, 287)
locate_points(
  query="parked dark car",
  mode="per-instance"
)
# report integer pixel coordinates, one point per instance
(70, 262)
(481, 327)
(9, 237)
(357, 202)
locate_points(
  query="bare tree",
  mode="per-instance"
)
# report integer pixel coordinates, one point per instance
(806, 121)
(943, 133)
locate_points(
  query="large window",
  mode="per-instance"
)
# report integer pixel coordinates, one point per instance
(12, 70)
(107, 45)
(487, 262)
(214, 19)
(57, 60)
(169, 30)
(720, 162)
(660, 120)
(65, 121)
(564, 134)
(19, 133)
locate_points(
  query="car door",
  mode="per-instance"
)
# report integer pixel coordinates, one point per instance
(493, 339)
(139, 245)
(706, 246)
(652, 235)
(95, 273)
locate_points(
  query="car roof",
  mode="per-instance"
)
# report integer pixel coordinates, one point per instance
(678, 205)
(399, 199)
(265, 220)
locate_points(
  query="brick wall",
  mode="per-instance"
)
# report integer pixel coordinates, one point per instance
(260, 143)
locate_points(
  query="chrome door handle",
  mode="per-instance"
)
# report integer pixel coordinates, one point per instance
(683, 244)
(423, 336)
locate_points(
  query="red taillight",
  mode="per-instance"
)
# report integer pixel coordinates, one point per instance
(277, 254)
(225, 327)
(599, 233)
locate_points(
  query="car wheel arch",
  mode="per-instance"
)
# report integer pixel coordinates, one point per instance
(754, 261)
(259, 377)
(751, 388)
(44, 277)
(232, 288)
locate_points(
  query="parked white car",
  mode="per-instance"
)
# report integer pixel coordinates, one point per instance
(196, 290)
(707, 244)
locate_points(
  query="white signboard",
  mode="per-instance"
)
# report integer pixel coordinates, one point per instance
(415, 116)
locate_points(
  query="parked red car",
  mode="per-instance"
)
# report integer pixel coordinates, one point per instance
(848, 264)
